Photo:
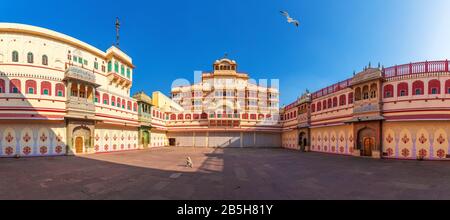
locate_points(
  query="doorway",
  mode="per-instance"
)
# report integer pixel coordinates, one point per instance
(172, 142)
(79, 145)
(369, 144)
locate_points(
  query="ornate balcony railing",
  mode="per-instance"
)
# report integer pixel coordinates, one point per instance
(417, 68)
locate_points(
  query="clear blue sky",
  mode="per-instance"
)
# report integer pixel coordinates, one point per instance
(170, 39)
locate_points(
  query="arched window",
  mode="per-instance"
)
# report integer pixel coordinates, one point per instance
(44, 60)
(205, 116)
(173, 117)
(388, 91)
(30, 86)
(418, 87)
(123, 103)
(319, 106)
(106, 99)
(118, 102)
(2, 86)
(324, 103)
(60, 90)
(342, 100)
(135, 106)
(373, 91)
(330, 103)
(358, 94)
(46, 88)
(97, 97)
(180, 117)
(109, 66)
(350, 98)
(129, 105)
(15, 56)
(188, 117)
(365, 92)
(116, 67)
(113, 100)
(434, 87)
(30, 57)
(402, 89)
(335, 102)
(447, 86)
(14, 86)
(313, 107)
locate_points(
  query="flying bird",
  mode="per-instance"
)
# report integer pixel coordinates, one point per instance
(289, 19)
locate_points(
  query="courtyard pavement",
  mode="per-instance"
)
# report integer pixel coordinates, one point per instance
(221, 174)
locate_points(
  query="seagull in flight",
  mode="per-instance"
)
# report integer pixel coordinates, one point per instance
(289, 19)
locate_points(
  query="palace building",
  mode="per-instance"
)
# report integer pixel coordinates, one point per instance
(61, 96)
(398, 112)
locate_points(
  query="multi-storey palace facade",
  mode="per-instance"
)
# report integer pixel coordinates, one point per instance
(225, 109)
(61, 96)
(399, 112)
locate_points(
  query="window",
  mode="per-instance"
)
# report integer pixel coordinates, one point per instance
(96, 65)
(46, 88)
(80, 60)
(434, 87)
(342, 100)
(418, 92)
(402, 89)
(14, 86)
(418, 87)
(109, 66)
(30, 57)
(60, 88)
(45, 60)
(105, 99)
(30, 86)
(122, 70)
(434, 91)
(116, 67)
(85, 62)
(15, 56)
(128, 73)
(388, 91)
(350, 98)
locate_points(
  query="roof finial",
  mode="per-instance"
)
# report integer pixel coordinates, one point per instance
(117, 31)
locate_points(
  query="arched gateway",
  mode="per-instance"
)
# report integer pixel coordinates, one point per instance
(366, 141)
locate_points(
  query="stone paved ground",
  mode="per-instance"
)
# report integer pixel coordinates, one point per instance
(221, 174)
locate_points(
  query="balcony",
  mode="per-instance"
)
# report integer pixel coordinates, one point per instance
(119, 80)
(80, 108)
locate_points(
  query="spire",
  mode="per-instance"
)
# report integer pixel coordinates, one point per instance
(117, 32)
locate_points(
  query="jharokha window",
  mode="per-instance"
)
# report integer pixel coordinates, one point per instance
(30, 86)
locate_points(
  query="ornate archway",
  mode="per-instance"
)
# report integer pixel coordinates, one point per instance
(81, 139)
